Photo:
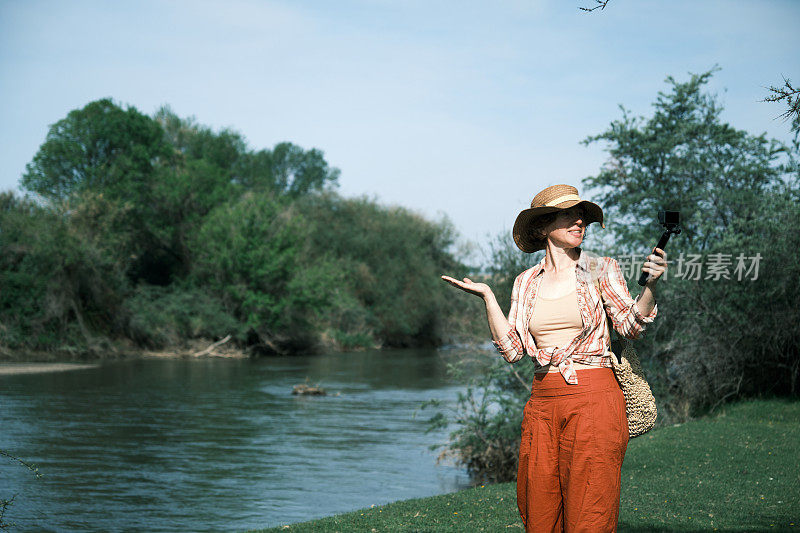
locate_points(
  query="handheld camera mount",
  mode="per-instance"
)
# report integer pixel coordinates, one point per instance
(671, 220)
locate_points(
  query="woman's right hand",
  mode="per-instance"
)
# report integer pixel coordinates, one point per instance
(497, 320)
(467, 285)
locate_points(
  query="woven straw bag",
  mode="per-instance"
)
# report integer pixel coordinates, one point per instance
(640, 404)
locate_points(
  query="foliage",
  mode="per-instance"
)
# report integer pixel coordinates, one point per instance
(285, 170)
(152, 180)
(292, 171)
(121, 157)
(102, 148)
(153, 231)
(487, 434)
(683, 158)
(503, 262)
(390, 260)
(59, 290)
(791, 96)
(742, 335)
(168, 316)
(715, 339)
(486, 415)
(251, 253)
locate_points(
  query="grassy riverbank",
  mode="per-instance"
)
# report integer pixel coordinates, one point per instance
(736, 471)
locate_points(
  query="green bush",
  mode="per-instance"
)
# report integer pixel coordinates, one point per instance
(487, 415)
(252, 254)
(59, 291)
(390, 260)
(168, 316)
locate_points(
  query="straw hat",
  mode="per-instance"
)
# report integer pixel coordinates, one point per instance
(551, 199)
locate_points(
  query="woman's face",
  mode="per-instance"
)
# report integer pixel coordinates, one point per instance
(568, 229)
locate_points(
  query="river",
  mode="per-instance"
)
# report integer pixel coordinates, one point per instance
(221, 444)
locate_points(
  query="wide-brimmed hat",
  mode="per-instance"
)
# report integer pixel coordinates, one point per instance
(551, 199)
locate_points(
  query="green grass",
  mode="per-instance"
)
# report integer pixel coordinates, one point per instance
(736, 471)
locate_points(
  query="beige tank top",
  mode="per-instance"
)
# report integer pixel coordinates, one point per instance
(556, 321)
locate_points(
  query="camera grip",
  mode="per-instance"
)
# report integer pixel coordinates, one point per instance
(662, 243)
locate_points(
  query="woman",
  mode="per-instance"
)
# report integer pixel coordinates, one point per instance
(574, 428)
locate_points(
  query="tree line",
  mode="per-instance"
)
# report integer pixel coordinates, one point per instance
(148, 232)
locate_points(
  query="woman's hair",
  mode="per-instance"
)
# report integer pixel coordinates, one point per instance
(536, 228)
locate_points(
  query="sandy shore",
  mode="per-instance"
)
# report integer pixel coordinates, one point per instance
(35, 368)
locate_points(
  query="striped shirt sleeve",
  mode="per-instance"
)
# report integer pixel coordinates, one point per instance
(628, 321)
(510, 344)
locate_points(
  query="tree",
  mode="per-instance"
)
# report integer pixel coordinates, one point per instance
(113, 162)
(391, 259)
(717, 336)
(59, 290)
(285, 170)
(252, 252)
(102, 148)
(682, 158)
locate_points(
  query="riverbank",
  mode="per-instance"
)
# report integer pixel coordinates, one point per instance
(194, 348)
(38, 362)
(735, 471)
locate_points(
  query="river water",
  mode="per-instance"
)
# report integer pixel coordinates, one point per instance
(221, 444)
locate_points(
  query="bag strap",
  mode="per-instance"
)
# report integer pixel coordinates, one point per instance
(612, 334)
(628, 350)
(596, 275)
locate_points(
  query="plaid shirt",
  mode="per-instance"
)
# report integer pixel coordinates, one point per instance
(592, 345)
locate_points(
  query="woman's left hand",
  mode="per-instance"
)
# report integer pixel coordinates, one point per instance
(655, 265)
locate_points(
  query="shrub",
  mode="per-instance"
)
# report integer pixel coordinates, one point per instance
(168, 316)
(59, 292)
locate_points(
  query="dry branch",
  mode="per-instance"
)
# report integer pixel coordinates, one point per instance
(212, 347)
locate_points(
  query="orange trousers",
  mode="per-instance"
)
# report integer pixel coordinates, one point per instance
(574, 439)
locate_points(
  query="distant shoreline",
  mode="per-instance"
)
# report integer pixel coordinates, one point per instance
(58, 361)
(9, 369)
(29, 361)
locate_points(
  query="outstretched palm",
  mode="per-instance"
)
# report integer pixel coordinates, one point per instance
(467, 285)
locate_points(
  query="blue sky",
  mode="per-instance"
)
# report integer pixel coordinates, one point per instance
(462, 109)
